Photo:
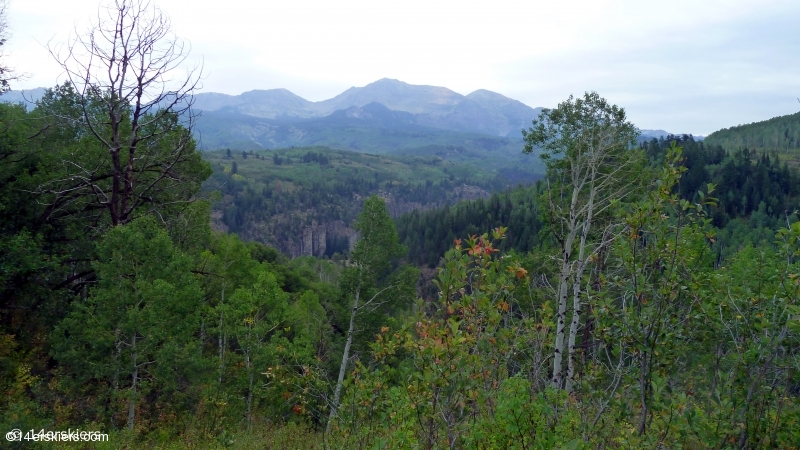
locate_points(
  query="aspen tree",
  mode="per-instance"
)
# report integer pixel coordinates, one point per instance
(586, 144)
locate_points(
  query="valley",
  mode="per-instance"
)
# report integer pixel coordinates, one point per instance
(303, 200)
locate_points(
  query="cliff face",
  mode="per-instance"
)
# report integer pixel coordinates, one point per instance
(319, 239)
(301, 233)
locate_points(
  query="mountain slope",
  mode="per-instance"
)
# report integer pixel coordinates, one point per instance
(25, 96)
(372, 128)
(780, 134)
(395, 95)
(270, 103)
(485, 112)
(517, 114)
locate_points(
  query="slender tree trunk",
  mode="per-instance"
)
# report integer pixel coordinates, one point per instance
(576, 287)
(561, 315)
(573, 327)
(115, 380)
(743, 435)
(134, 378)
(117, 355)
(221, 342)
(563, 287)
(644, 385)
(345, 357)
(249, 391)
(558, 351)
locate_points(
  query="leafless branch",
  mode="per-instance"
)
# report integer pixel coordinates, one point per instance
(123, 70)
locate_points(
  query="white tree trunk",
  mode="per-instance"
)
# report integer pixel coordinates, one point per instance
(563, 290)
(576, 286)
(345, 357)
(561, 315)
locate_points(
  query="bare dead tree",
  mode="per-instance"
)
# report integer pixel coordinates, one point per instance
(7, 74)
(135, 115)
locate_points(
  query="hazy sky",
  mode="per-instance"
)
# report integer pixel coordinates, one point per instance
(689, 66)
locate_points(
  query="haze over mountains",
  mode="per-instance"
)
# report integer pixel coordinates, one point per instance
(386, 116)
(482, 111)
(28, 97)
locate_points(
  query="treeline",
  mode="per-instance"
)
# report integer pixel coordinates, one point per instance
(777, 134)
(746, 181)
(756, 194)
(429, 234)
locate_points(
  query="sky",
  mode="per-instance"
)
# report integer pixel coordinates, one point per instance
(685, 66)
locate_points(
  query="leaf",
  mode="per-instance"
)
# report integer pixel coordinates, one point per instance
(572, 445)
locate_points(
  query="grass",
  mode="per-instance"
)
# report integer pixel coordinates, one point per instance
(260, 169)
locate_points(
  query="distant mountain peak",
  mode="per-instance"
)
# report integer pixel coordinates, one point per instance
(483, 111)
(389, 81)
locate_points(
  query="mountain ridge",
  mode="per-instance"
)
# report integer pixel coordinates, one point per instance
(482, 111)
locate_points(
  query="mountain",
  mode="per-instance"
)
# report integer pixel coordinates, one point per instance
(271, 103)
(654, 133)
(482, 111)
(398, 96)
(517, 114)
(372, 128)
(27, 96)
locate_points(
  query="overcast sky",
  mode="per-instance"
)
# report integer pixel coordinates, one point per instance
(690, 66)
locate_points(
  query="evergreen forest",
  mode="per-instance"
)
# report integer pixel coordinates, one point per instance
(779, 134)
(631, 296)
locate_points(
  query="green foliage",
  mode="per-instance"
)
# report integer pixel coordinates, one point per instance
(675, 353)
(164, 175)
(429, 234)
(370, 289)
(525, 421)
(441, 370)
(755, 193)
(779, 133)
(378, 243)
(279, 198)
(123, 335)
(578, 127)
(644, 303)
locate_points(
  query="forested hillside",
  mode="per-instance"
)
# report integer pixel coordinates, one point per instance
(755, 194)
(304, 200)
(429, 234)
(779, 134)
